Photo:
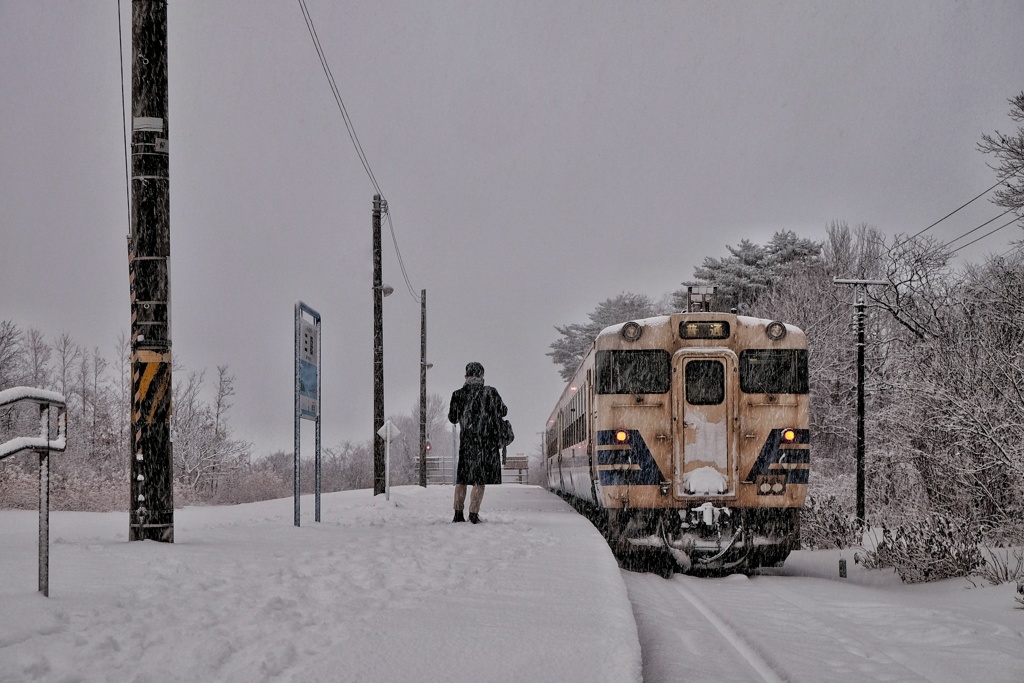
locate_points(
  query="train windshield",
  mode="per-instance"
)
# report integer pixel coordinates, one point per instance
(773, 371)
(633, 372)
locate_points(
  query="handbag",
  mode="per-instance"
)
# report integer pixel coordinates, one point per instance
(505, 433)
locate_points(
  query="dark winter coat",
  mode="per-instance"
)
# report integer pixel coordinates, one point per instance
(479, 457)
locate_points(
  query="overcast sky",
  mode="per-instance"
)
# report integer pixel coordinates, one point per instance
(538, 158)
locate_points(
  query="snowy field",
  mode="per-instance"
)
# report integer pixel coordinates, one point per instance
(392, 591)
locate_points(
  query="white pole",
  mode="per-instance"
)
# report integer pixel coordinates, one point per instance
(387, 462)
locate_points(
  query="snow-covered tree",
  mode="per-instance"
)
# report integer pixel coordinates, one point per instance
(1009, 151)
(10, 354)
(751, 270)
(576, 338)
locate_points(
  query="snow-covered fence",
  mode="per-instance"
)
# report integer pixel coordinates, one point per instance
(42, 444)
(440, 470)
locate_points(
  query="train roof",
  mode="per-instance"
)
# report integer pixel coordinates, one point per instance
(666, 321)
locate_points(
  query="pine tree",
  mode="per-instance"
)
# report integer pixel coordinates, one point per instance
(751, 270)
(576, 339)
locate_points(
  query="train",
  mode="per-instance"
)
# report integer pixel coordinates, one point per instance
(687, 436)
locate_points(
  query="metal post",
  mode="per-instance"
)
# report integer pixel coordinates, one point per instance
(455, 453)
(304, 353)
(296, 469)
(319, 411)
(423, 388)
(151, 509)
(44, 509)
(387, 463)
(378, 353)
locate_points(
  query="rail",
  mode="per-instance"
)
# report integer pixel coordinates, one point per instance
(42, 445)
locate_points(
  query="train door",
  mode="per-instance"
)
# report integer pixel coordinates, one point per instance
(704, 407)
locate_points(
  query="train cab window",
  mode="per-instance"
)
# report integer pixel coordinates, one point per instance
(705, 382)
(773, 371)
(633, 372)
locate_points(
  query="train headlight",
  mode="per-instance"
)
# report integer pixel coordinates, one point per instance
(632, 331)
(775, 330)
(621, 436)
(789, 435)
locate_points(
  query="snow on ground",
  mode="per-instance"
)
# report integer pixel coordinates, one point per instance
(379, 591)
(804, 623)
(393, 591)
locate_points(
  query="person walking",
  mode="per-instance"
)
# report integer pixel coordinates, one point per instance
(478, 410)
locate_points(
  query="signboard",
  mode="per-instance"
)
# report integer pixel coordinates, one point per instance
(309, 371)
(307, 393)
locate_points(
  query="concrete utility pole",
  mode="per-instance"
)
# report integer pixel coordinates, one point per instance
(861, 291)
(378, 351)
(151, 510)
(423, 388)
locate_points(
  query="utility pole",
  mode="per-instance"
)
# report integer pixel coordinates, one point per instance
(379, 205)
(423, 388)
(151, 510)
(861, 295)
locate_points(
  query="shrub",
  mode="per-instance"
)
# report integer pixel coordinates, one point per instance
(1001, 565)
(825, 523)
(251, 486)
(929, 549)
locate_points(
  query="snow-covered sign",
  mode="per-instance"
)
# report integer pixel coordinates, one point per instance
(389, 432)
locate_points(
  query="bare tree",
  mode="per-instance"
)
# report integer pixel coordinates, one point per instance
(1009, 152)
(37, 359)
(10, 354)
(67, 352)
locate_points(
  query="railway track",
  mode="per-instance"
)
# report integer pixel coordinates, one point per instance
(769, 628)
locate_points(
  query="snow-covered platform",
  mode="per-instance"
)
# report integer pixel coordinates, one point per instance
(378, 591)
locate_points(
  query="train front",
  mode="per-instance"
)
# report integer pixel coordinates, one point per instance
(701, 437)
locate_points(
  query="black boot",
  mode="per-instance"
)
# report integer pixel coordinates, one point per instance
(474, 518)
(459, 518)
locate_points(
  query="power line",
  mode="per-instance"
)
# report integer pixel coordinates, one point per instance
(401, 264)
(355, 138)
(985, 235)
(991, 220)
(962, 206)
(337, 96)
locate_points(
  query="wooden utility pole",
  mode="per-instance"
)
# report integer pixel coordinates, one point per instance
(151, 509)
(861, 294)
(423, 388)
(378, 352)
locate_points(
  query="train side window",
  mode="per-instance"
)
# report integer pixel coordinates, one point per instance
(633, 372)
(773, 371)
(705, 382)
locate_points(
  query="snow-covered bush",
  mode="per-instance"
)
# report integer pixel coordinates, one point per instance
(251, 486)
(932, 548)
(825, 523)
(1002, 565)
